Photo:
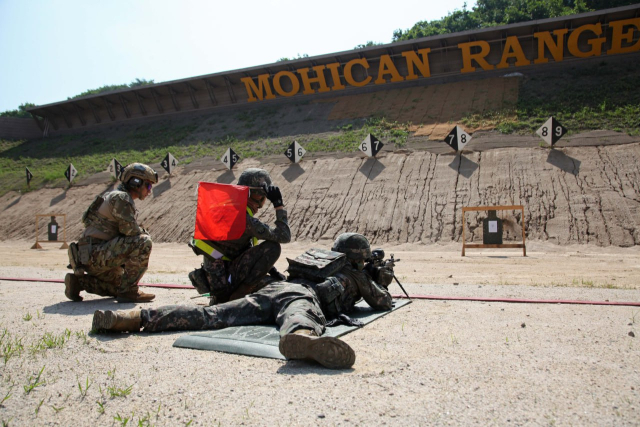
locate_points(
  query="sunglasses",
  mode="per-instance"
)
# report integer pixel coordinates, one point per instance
(148, 186)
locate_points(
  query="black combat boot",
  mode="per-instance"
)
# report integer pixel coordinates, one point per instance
(72, 287)
(330, 352)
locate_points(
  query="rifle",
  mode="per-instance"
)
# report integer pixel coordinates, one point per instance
(377, 261)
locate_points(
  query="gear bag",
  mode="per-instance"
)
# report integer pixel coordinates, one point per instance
(316, 264)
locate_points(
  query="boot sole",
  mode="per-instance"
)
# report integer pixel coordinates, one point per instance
(330, 352)
(103, 321)
(121, 299)
(68, 291)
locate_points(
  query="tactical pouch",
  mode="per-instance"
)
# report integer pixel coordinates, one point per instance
(329, 292)
(93, 207)
(316, 264)
(76, 260)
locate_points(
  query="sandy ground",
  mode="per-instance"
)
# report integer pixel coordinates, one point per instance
(431, 363)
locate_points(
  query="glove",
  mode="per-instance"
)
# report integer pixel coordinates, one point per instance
(343, 319)
(274, 195)
(276, 274)
(385, 277)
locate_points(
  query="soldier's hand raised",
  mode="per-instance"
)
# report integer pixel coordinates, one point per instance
(274, 195)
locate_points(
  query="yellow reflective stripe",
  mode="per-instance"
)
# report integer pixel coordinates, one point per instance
(200, 244)
(255, 239)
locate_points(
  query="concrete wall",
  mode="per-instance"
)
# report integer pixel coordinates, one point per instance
(16, 128)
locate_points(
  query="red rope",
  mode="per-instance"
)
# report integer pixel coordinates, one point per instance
(427, 297)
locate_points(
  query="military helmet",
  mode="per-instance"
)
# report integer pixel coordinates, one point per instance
(139, 170)
(254, 177)
(354, 245)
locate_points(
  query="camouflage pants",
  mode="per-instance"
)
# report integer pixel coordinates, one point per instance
(289, 305)
(117, 265)
(246, 271)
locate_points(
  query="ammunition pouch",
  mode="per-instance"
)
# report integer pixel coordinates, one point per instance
(79, 257)
(329, 292)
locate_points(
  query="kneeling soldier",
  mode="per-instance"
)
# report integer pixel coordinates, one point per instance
(113, 253)
(235, 268)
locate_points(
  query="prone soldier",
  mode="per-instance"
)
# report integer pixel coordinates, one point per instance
(113, 253)
(234, 268)
(300, 308)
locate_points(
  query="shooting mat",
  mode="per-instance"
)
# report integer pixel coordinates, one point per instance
(263, 340)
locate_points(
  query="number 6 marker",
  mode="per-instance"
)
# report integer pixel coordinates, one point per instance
(371, 146)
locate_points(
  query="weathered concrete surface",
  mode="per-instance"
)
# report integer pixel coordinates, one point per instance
(582, 194)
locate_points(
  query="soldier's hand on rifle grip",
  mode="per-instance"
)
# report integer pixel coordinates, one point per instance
(385, 276)
(274, 195)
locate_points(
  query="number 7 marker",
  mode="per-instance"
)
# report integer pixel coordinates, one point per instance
(457, 138)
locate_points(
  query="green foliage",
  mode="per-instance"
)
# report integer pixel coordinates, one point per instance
(110, 88)
(368, 44)
(293, 58)
(10, 346)
(34, 382)
(21, 112)
(489, 13)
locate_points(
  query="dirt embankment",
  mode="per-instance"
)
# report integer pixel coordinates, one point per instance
(579, 194)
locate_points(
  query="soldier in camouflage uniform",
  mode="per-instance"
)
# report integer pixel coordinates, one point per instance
(300, 308)
(239, 267)
(113, 250)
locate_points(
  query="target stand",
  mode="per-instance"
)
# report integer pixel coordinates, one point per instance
(52, 231)
(466, 245)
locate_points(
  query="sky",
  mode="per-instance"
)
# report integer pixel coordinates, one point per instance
(54, 49)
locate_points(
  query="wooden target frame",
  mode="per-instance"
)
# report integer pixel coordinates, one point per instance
(466, 245)
(64, 231)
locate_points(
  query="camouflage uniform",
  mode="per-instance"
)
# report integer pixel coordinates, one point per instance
(114, 248)
(245, 262)
(291, 305)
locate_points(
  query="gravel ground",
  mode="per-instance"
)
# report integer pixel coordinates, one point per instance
(430, 363)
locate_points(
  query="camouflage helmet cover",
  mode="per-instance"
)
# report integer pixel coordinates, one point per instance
(354, 245)
(254, 177)
(139, 170)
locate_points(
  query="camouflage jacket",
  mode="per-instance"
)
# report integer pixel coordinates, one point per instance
(255, 229)
(111, 215)
(356, 285)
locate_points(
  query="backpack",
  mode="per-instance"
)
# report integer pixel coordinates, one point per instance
(316, 264)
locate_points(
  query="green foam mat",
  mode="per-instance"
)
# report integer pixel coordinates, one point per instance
(262, 341)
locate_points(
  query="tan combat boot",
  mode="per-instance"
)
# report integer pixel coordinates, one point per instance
(134, 296)
(330, 352)
(72, 287)
(116, 321)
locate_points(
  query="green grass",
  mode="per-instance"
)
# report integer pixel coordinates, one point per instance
(34, 382)
(602, 95)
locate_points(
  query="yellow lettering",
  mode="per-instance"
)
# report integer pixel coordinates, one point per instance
(619, 36)
(335, 76)
(348, 76)
(306, 80)
(295, 84)
(556, 48)
(387, 67)
(421, 65)
(467, 56)
(596, 44)
(512, 49)
(254, 91)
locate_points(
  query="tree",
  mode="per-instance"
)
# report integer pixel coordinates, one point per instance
(21, 112)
